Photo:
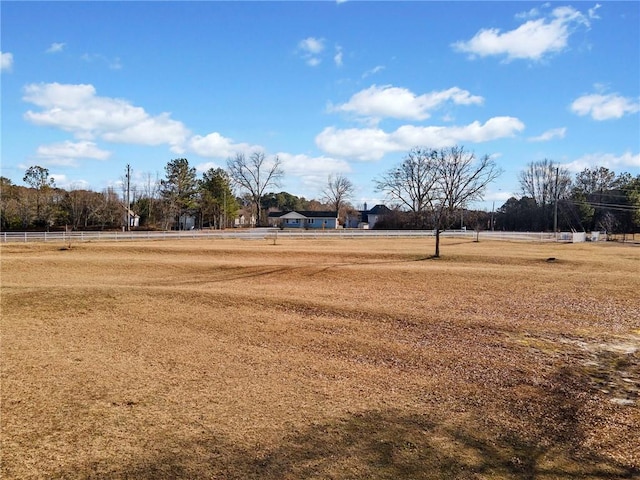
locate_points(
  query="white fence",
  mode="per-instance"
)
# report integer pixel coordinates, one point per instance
(271, 233)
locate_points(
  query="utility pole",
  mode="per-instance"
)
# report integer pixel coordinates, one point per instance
(555, 208)
(493, 207)
(128, 205)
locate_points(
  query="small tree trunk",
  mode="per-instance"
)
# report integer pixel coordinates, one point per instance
(437, 254)
(257, 208)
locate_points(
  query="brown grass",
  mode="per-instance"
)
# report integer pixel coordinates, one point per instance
(337, 359)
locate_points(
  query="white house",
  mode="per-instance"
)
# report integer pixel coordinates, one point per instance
(367, 218)
(244, 219)
(304, 219)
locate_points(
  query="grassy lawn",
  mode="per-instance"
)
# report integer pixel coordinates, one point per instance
(323, 359)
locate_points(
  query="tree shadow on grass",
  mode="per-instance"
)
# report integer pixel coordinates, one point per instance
(376, 445)
(392, 445)
(540, 442)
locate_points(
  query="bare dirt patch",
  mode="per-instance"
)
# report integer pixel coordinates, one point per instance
(320, 359)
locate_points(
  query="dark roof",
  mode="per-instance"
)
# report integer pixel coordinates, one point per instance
(379, 210)
(307, 213)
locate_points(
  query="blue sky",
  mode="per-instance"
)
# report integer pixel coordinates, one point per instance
(329, 87)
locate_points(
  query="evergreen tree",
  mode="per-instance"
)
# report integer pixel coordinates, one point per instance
(179, 190)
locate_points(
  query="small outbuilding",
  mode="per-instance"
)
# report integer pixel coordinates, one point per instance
(131, 218)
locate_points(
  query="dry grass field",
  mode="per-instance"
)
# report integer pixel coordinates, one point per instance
(320, 359)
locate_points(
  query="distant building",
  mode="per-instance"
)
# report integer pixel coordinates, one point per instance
(367, 218)
(304, 219)
(187, 222)
(131, 217)
(244, 219)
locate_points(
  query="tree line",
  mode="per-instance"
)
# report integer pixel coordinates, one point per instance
(175, 201)
(595, 199)
(550, 199)
(427, 189)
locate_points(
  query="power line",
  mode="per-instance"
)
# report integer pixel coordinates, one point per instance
(608, 206)
(606, 194)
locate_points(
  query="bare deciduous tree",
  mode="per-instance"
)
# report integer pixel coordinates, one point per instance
(75, 205)
(25, 207)
(597, 180)
(411, 184)
(546, 182)
(109, 209)
(338, 190)
(150, 191)
(439, 182)
(460, 180)
(255, 174)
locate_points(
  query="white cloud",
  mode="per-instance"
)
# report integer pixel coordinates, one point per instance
(475, 132)
(58, 95)
(75, 185)
(608, 160)
(113, 64)
(60, 180)
(311, 171)
(337, 58)
(206, 166)
(533, 13)
(593, 11)
(497, 196)
(550, 135)
(301, 165)
(77, 109)
(6, 61)
(368, 144)
(310, 49)
(358, 143)
(605, 107)
(156, 130)
(312, 45)
(395, 102)
(56, 47)
(532, 40)
(215, 145)
(68, 153)
(373, 71)
(313, 50)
